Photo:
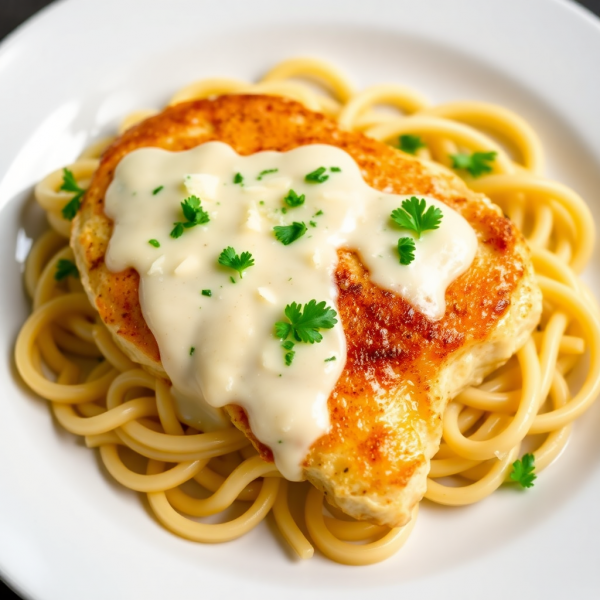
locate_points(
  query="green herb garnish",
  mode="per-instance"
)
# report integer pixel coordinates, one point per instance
(192, 350)
(413, 216)
(239, 263)
(523, 470)
(154, 243)
(194, 214)
(293, 200)
(410, 143)
(69, 184)
(287, 234)
(312, 223)
(335, 169)
(406, 250)
(330, 359)
(477, 164)
(65, 268)
(238, 179)
(265, 172)
(158, 189)
(305, 322)
(317, 176)
(318, 213)
(206, 293)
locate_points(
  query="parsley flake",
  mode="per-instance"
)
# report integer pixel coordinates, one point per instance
(413, 216)
(192, 350)
(69, 184)
(335, 169)
(265, 172)
(293, 200)
(406, 250)
(65, 268)
(239, 263)
(523, 470)
(410, 143)
(318, 213)
(158, 189)
(194, 214)
(238, 179)
(477, 164)
(312, 223)
(317, 176)
(154, 243)
(330, 359)
(305, 322)
(206, 293)
(287, 234)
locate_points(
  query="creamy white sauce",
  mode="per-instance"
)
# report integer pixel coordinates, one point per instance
(236, 357)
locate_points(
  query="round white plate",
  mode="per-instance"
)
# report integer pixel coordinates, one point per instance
(67, 531)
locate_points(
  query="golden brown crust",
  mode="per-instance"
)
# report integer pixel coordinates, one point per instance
(395, 354)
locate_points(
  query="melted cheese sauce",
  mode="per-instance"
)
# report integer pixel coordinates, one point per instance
(220, 348)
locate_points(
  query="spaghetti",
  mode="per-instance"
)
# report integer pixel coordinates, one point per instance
(95, 391)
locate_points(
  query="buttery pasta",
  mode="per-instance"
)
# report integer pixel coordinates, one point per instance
(95, 391)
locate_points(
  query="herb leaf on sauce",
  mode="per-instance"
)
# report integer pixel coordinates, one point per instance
(287, 234)
(157, 190)
(239, 263)
(317, 176)
(265, 172)
(194, 215)
(305, 322)
(477, 164)
(522, 471)
(293, 200)
(238, 179)
(154, 243)
(414, 217)
(69, 184)
(65, 268)
(406, 250)
(410, 143)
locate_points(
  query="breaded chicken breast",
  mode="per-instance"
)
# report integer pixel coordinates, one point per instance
(402, 368)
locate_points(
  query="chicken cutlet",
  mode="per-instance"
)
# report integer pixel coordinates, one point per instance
(402, 367)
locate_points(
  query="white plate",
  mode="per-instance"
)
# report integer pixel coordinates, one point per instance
(66, 530)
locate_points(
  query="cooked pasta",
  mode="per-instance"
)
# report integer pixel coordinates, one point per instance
(66, 355)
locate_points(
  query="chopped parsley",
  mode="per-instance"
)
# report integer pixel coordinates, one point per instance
(239, 263)
(522, 471)
(238, 179)
(305, 322)
(318, 213)
(206, 293)
(288, 357)
(413, 216)
(158, 189)
(154, 243)
(477, 164)
(69, 184)
(293, 200)
(410, 143)
(194, 215)
(265, 172)
(312, 223)
(65, 268)
(287, 234)
(317, 176)
(335, 169)
(330, 359)
(406, 250)
(192, 350)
